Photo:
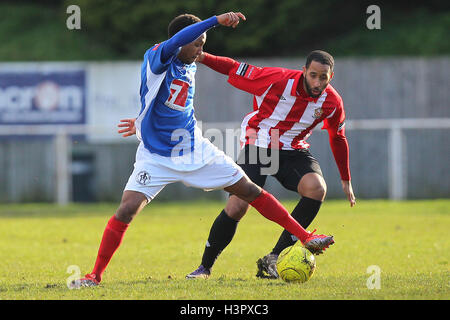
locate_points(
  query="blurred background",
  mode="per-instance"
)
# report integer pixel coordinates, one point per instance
(68, 76)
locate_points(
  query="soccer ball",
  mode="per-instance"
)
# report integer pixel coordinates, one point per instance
(296, 264)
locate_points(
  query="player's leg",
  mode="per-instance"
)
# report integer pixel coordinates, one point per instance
(223, 230)
(220, 235)
(145, 182)
(224, 227)
(292, 167)
(268, 206)
(312, 190)
(248, 192)
(233, 180)
(302, 174)
(132, 203)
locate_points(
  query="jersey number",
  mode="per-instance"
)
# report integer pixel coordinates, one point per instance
(178, 95)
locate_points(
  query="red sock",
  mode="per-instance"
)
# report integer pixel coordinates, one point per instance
(112, 238)
(272, 209)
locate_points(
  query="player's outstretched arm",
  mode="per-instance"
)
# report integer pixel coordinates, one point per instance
(128, 126)
(217, 63)
(192, 32)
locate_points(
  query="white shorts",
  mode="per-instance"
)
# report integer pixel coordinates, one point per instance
(153, 172)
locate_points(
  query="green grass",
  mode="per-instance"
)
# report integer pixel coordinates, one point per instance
(407, 240)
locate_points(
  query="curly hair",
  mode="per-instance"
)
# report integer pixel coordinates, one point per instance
(320, 56)
(180, 22)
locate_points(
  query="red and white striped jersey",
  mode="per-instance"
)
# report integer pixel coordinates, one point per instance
(283, 116)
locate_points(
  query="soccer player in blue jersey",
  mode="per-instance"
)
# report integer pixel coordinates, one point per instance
(172, 147)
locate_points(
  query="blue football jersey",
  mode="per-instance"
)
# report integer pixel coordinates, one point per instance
(166, 121)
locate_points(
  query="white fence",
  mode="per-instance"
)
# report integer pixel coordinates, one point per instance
(396, 147)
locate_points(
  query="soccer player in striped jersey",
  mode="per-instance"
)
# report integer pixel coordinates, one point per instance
(172, 147)
(287, 105)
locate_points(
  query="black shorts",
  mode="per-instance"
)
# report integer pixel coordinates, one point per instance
(293, 165)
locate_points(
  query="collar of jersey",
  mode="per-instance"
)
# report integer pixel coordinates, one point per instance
(181, 63)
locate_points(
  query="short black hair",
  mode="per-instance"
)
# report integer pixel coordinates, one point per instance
(321, 57)
(180, 22)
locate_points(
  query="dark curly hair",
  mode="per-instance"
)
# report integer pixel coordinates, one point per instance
(180, 22)
(320, 56)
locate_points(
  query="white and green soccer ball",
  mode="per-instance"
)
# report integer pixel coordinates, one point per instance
(296, 264)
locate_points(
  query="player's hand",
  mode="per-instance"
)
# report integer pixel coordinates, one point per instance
(200, 57)
(129, 128)
(348, 190)
(230, 19)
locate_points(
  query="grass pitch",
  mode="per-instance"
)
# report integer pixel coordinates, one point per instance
(406, 241)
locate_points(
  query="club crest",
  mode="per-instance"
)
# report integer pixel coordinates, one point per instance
(318, 113)
(143, 178)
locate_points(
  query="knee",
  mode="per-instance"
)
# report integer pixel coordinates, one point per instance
(320, 191)
(236, 209)
(247, 191)
(251, 192)
(126, 211)
(129, 207)
(316, 190)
